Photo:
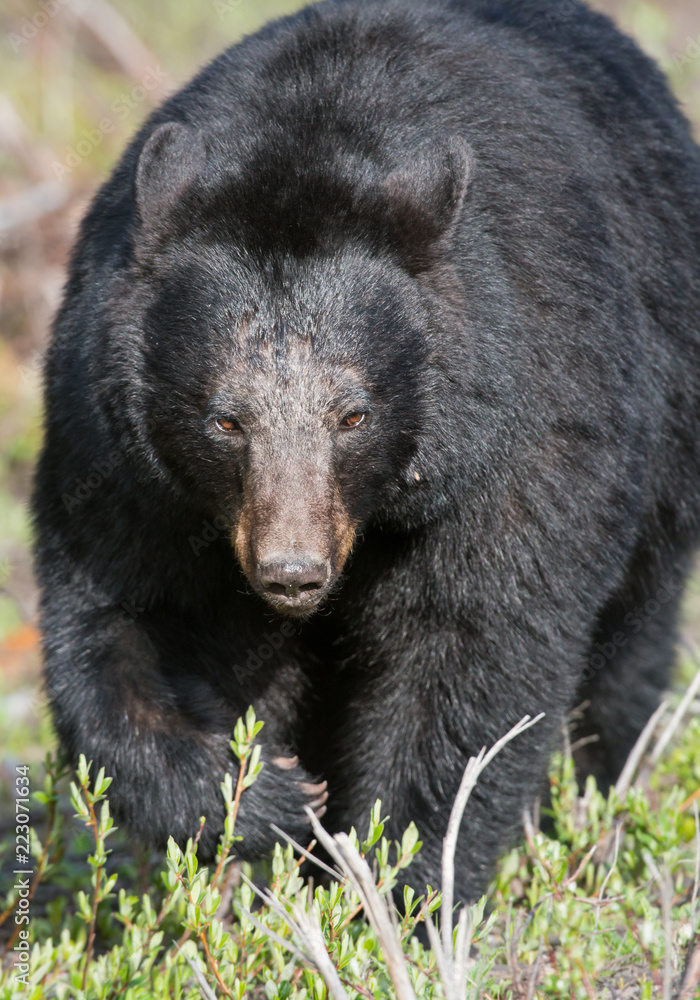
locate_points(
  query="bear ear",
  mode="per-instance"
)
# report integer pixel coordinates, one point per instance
(424, 199)
(171, 158)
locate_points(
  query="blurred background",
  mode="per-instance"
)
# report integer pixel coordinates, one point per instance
(77, 77)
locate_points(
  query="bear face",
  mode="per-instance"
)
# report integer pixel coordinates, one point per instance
(287, 389)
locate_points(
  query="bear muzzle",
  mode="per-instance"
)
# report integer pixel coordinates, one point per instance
(293, 545)
(294, 582)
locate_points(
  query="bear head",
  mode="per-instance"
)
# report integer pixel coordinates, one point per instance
(284, 329)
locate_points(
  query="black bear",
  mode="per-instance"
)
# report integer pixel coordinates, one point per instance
(373, 402)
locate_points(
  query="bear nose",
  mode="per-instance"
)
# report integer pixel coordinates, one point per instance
(291, 578)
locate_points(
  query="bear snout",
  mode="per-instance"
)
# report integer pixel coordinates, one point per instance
(294, 581)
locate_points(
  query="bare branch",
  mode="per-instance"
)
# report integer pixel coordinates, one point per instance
(676, 718)
(376, 908)
(273, 935)
(696, 883)
(473, 770)
(535, 972)
(638, 750)
(204, 988)
(452, 959)
(337, 875)
(307, 919)
(666, 894)
(114, 33)
(691, 974)
(601, 894)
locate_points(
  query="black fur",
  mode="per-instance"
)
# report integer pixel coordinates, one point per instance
(479, 223)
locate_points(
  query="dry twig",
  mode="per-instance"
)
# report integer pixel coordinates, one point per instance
(624, 782)
(676, 719)
(451, 959)
(114, 33)
(690, 984)
(376, 907)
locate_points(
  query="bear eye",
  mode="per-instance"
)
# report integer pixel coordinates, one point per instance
(352, 420)
(228, 425)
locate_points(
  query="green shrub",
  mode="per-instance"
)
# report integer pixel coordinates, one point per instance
(608, 900)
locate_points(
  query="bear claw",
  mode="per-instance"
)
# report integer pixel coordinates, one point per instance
(318, 793)
(310, 788)
(285, 763)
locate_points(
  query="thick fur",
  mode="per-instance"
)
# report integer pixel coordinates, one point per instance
(480, 219)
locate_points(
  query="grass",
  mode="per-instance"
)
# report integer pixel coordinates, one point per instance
(605, 905)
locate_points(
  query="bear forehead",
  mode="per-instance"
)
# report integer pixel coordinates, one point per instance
(268, 366)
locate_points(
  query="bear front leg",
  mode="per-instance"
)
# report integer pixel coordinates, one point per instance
(131, 696)
(410, 741)
(443, 667)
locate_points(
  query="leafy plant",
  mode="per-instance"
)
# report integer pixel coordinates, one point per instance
(610, 899)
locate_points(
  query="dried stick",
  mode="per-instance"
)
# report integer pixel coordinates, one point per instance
(114, 33)
(338, 876)
(676, 719)
(375, 906)
(666, 894)
(535, 972)
(303, 921)
(638, 750)
(691, 974)
(204, 987)
(307, 920)
(696, 882)
(473, 770)
(304, 924)
(273, 935)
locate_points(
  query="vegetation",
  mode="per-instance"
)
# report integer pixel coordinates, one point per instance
(603, 904)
